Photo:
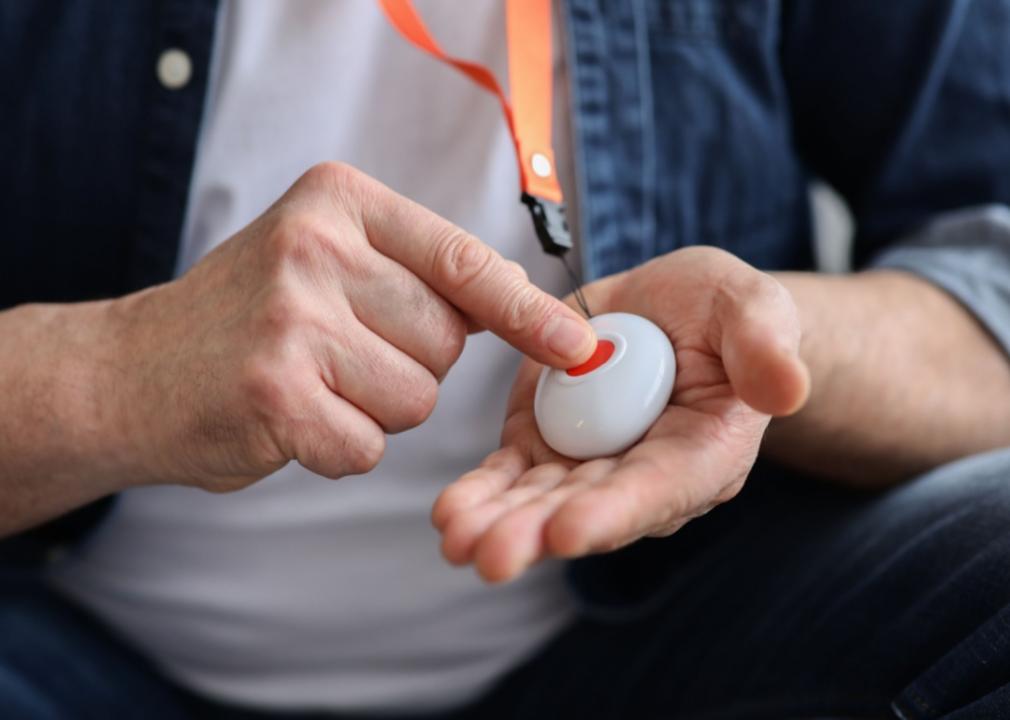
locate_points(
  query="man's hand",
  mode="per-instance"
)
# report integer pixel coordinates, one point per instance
(736, 333)
(323, 325)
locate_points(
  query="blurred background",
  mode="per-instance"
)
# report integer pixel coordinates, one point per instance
(832, 229)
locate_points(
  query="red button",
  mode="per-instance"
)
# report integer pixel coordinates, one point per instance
(604, 349)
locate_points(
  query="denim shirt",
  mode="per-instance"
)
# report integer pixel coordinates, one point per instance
(694, 122)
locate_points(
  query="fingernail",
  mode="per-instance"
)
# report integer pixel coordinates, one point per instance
(567, 337)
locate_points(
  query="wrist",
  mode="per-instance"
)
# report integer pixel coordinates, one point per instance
(121, 376)
(96, 400)
(55, 377)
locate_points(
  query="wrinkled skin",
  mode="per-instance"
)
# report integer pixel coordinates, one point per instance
(311, 334)
(736, 332)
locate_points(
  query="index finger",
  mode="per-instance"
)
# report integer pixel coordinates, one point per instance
(476, 279)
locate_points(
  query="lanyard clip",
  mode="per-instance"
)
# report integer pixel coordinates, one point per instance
(550, 223)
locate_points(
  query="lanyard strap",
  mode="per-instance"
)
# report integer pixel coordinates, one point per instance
(528, 24)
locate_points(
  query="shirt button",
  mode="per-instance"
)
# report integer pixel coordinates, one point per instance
(174, 69)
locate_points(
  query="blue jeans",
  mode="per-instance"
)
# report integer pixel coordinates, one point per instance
(794, 600)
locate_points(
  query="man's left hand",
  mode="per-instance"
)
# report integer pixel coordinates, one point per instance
(736, 333)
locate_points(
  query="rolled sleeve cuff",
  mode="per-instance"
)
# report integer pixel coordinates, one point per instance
(966, 253)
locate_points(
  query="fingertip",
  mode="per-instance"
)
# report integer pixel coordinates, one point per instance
(491, 556)
(456, 545)
(439, 514)
(800, 389)
(513, 544)
(452, 557)
(570, 338)
(448, 503)
(777, 384)
(491, 577)
(494, 565)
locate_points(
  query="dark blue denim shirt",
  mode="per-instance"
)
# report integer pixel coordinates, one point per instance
(695, 122)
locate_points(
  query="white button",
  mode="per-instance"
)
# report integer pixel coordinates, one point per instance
(607, 410)
(174, 69)
(541, 165)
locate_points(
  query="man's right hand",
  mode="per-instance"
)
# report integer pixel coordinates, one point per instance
(320, 327)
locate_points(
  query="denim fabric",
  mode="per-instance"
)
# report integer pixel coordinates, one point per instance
(699, 121)
(683, 133)
(97, 154)
(967, 253)
(96, 162)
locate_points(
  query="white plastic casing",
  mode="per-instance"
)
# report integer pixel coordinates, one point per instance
(606, 410)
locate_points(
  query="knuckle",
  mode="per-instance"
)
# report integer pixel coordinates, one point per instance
(746, 297)
(345, 188)
(297, 239)
(330, 174)
(518, 270)
(765, 288)
(261, 385)
(340, 185)
(783, 301)
(365, 452)
(281, 312)
(756, 286)
(313, 454)
(459, 258)
(418, 401)
(453, 340)
(523, 308)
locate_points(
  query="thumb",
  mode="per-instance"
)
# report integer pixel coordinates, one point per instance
(760, 342)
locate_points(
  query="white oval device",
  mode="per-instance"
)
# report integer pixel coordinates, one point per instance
(605, 405)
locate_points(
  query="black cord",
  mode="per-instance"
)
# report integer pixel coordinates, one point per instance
(576, 286)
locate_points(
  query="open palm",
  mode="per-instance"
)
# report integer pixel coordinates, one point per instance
(736, 335)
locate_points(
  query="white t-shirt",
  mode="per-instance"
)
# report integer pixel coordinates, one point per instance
(301, 592)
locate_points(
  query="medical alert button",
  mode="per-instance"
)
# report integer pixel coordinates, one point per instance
(604, 406)
(604, 349)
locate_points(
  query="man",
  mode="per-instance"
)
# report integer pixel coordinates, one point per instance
(315, 312)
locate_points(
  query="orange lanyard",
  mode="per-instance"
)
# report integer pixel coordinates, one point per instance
(528, 31)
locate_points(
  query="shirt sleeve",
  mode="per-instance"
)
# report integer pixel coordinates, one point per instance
(967, 253)
(904, 108)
